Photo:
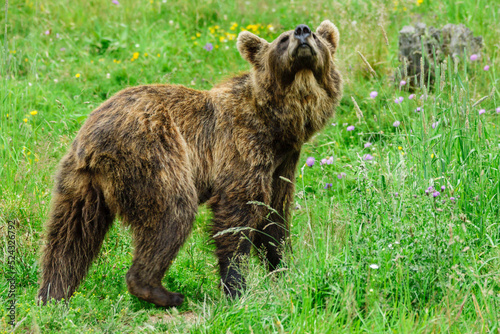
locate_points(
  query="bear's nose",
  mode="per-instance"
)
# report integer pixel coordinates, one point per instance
(302, 32)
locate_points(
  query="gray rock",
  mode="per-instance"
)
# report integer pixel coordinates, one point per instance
(430, 45)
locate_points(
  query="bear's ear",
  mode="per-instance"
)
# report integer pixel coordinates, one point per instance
(329, 32)
(249, 45)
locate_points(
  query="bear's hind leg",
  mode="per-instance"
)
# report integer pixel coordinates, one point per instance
(157, 242)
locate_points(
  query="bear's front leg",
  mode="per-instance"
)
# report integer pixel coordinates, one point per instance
(235, 219)
(273, 234)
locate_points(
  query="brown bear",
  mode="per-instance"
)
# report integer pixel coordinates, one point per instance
(152, 154)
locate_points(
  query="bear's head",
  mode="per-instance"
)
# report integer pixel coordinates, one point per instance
(277, 64)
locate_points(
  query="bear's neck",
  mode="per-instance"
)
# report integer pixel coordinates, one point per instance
(300, 109)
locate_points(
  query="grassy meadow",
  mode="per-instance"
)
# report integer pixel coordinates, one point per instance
(397, 231)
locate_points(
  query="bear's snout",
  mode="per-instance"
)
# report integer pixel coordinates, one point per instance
(301, 33)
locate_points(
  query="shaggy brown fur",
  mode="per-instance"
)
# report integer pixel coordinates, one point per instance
(152, 154)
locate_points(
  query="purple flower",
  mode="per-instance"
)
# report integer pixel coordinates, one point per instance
(62, 49)
(396, 194)
(329, 161)
(473, 57)
(498, 110)
(401, 99)
(47, 32)
(486, 68)
(115, 2)
(367, 156)
(452, 199)
(328, 185)
(208, 47)
(341, 175)
(482, 111)
(419, 109)
(443, 188)
(411, 97)
(310, 161)
(368, 145)
(350, 128)
(435, 194)
(434, 125)
(396, 124)
(373, 94)
(427, 191)
(334, 124)
(402, 83)
(322, 162)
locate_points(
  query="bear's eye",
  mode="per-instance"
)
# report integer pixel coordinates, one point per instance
(284, 39)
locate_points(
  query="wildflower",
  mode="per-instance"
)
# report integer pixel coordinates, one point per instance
(396, 124)
(400, 148)
(77, 75)
(432, 156)
(25, 120)
(47, 32)
(402, 83)
(368, 145)
(341, 175)
(486, 68)
(498, 110)
(419, 109)
(115, 2)
(310, 161)
(34, 112)
(396, 194)
(209, 47)
(136, 55)
(434, 125)
(334, 124)
(443, 188)
(435, 194)
(474, 57)
(482, 111)
(401, 99)
(62, 49)
(411, 97)
(452, 199)
(373, 94)
(328, 185)
(374, 266)
(322, 162)
(329, 161)
(367, 156)
(350, 128)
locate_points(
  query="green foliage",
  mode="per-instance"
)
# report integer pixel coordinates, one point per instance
(372, 253)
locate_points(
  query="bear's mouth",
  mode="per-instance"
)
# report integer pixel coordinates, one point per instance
(304, 50)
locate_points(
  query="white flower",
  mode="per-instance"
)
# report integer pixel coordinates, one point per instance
(374, 266)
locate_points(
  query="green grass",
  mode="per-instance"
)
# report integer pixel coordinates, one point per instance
(438, 260)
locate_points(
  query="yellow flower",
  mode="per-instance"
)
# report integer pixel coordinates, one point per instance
(13, 51)
(7, 115)
(198, 34)
(432, 156)
(77, 75)
(193, 37)
(34, 112)
(195, 43)
(91, 61)
(136, 55)
(26, 59)
(145, 54)
(233, 26)
(400, 148)
(25, 120)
